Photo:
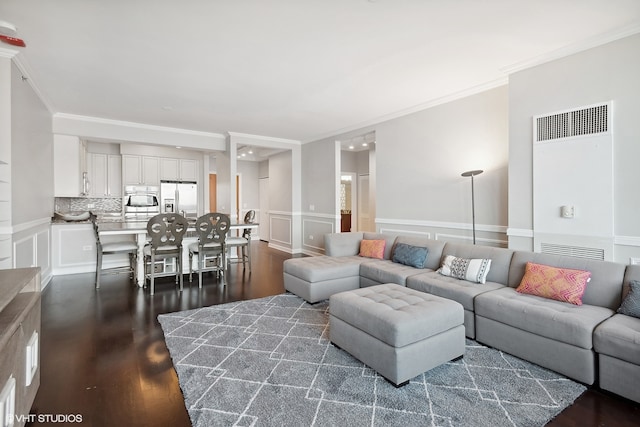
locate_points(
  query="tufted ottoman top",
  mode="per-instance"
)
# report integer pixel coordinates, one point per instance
(396, 315)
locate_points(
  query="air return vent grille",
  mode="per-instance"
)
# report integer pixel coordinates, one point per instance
(584, 121)
(574, 251)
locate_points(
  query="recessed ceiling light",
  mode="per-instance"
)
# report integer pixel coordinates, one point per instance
(364, 144)
(250, 151)
(243, 154)
(178, 147)
(351, 147)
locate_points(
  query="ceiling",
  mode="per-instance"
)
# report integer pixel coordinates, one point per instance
(295, 69)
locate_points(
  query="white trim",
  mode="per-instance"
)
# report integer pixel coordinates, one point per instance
(8, 53)
(442, 224)
(502, 81)
(271, 238)
(520, 232)
(99, 120)
(321, 215)
(626, 240)
(283, 248)
(25, 226)
(502, 243)
(264, 138)
(395, 231)
(572, 49)
(285, 213)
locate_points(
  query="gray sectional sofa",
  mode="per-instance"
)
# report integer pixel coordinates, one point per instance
(590, 343)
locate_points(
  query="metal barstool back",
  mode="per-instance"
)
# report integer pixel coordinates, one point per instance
(212, 230)
(166, 231)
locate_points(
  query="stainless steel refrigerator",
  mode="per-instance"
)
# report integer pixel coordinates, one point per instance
(179, 197)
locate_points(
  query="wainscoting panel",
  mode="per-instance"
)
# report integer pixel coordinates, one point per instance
(313, 231)
(281, 232)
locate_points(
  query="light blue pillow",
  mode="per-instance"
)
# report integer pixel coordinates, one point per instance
(415, 256)
(631, 304)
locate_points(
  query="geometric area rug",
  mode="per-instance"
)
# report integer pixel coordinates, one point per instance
(269, 362)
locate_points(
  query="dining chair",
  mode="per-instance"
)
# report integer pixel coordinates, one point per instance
(212, 230)
(166, 231)
(117, 247)
(243, 243)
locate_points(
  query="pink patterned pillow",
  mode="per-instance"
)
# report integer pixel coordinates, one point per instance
(561, 284)
(372, 248)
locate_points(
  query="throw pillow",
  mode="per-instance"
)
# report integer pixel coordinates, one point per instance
(372, 248)
(414, 256)
(561, 284)
(631, 304)
(472, 270)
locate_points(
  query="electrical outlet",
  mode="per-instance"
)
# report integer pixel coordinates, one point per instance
(312, 208)
(87, 247)
(310, 236)
(634, 261)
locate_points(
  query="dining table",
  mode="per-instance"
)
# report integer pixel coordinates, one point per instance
(139, 230)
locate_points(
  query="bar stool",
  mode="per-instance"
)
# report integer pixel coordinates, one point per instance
(243, 243)
(212, 229)
(121, 247)
(166, 231)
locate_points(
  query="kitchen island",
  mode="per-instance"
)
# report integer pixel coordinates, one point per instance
(138, 229)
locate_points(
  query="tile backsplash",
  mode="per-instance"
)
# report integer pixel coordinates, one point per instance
(75, 204)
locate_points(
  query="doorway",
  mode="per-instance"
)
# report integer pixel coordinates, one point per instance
(348, 202)
(213, 192)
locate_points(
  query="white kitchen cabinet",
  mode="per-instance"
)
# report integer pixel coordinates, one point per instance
(68, 159)
(131, 169)
(105, 174)
(188, 170)
(114, 175)
(178, 169)
(150, 170)
(140, 170)
(169, 169)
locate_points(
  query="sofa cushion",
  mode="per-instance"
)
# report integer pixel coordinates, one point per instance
(319, 268)
(413, 256)
(560, 321)
(372, 248)
(500, 258)
(561, 284)
(448, 287)
(389, 238)
(631, 303)
(619, 337)
(342, 244)
(387, 271)
(604, 288)
(472, 270)
(434, 247)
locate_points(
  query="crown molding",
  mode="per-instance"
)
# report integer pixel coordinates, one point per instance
(483, 87)
(135, 125)
(8, 53)
(264, 138)
(583, 45)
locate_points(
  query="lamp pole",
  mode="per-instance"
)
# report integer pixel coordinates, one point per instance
(473, 208)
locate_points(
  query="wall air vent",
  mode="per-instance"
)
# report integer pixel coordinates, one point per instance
(566, 124)
(574, 251)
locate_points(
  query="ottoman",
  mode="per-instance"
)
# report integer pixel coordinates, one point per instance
(397, 331)
(317, 278)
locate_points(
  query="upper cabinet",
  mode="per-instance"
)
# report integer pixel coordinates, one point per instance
(140, 170)
(105, 175)
(178, 169)
(69, 155)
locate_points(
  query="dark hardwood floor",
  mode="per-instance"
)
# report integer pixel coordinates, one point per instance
(104, 357)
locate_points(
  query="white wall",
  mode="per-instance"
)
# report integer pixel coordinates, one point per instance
(608, 72)
(31, 177)
(250, 190)
(31, 154)
(417, 164)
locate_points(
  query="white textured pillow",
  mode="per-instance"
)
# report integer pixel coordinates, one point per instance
(473, 270)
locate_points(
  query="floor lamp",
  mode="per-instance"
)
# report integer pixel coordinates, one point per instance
(473, 208)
